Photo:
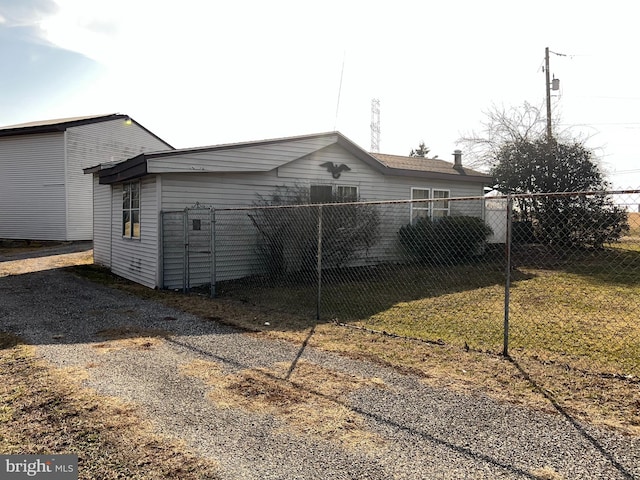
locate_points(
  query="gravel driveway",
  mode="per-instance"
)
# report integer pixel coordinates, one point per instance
(412, 431)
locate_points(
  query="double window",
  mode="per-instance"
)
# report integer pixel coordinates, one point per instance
(436, 207)
(329, 194)
(131, 210)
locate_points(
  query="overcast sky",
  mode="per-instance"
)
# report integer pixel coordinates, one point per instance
(203, 72)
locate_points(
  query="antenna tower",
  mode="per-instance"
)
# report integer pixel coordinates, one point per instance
(375, 125)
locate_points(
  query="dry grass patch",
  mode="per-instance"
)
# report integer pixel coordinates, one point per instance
(543, 384)
(546, 473)
(130, 337)
(46, 411)
(36, 264)
(591, 397)
(312, 401)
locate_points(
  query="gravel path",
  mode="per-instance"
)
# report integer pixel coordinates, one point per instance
(423, 433)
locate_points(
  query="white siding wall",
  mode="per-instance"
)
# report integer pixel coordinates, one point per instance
(90, 145)
(236, 236)
(136, 259)
(32, 191)
(249, 158)
(102, 224)
(371, 184)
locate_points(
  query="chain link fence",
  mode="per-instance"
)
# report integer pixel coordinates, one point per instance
(555, 276)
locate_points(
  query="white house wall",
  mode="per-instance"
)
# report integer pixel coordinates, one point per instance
(93, 144)
(236, 250)
(372, 185)
(102, 223)
(136, 259)
(250, 158)
(32, 187)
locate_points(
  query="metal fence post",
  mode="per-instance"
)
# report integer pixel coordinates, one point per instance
(507, 283)
(160, 274)
(212, 249)
(319, 263)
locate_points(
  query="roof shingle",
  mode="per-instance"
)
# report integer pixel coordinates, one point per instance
(421, 164)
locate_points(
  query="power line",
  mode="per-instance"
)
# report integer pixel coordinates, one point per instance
(589, 124)
(624, 172)
(603, 97)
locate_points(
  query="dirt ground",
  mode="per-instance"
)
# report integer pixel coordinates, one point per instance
(265, 408)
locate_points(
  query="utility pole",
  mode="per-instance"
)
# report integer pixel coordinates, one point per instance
(549, 85)
(548, 91)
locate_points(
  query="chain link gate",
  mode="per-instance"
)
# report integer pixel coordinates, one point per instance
(188, 249)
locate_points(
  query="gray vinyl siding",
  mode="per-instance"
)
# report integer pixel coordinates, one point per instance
(235, 235)
(44, 193)
(136, 258)
(32, 187)
(206, 179)
(173, 254)
(90, 145)
(236, 238)
(180, 190)
(372, 186)
(257, 158)
(232, 189)
(102, 224)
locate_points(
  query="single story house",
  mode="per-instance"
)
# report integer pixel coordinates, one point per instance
(130, 197)
(43, 192)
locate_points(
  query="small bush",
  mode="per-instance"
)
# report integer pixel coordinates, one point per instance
(288, 236)
(444, 240)
(522, 232)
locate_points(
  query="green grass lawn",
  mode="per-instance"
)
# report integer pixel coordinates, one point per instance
(581, 308)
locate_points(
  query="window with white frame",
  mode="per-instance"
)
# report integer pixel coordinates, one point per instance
(131, 210)
(440, 204)
(436, 208)
(420, 209)
(346, 193)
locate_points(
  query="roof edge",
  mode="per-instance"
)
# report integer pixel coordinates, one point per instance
(116, 173)
(59, 125)
(137, 166)
(131, 169)
(64, 124)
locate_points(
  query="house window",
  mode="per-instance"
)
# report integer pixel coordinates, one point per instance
(327, 194)
(420, 209)
(321, 194)
(346, 193)
(440, 206)
(131, 210)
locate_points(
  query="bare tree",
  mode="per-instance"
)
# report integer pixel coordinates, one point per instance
(502, 125)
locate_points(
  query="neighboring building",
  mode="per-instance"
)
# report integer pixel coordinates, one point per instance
(44, 194)
(129, 197)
